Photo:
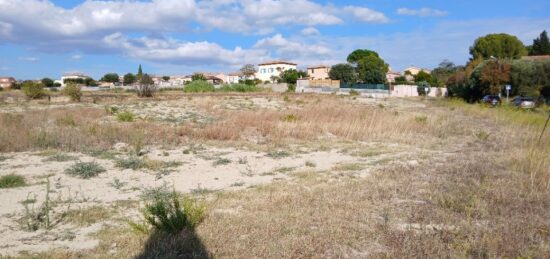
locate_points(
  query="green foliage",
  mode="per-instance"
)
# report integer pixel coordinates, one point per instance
(500, 46)
(541, 45)
(530, 78)
(199, 86)
(173, 215)
(290, 118)
(278, 154)
(291, 76)
(422, 76)
(47, 82)
(442, 73)
(73, 91)
(110, 78)
(12, 181)
(139, 73)
(401, 80)
(33, 90)
(371, 69)
(132, 162)
(222, 161)
(423, 88)
(198, 77)
(129, 79)
(81, 81)
(238, 88)
(354, 92)
(291, 88)
(360, 54)
(125, 116)
(85, 170)
(343, 72)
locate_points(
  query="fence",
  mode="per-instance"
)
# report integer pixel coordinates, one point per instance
(365, 86)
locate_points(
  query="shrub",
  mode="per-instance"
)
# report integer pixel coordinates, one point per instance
(125, 116)
(353, 92)
(85, 170)
(132, 162)
(239, 88)
(290, 118)
(33, 90)
(12, 181)
(146, 86)
(423, 88)
(199, 86)
(73, 91)
(291, 88)
(172, 215)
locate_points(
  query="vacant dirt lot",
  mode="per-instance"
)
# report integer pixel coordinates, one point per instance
(281, 175)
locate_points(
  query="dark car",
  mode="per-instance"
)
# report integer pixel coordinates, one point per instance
(524, 102)
(492, 100)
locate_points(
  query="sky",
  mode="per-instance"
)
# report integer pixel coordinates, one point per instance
(41, 38)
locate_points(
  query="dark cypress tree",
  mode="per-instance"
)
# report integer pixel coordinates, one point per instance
(541, 45)
(139, 73)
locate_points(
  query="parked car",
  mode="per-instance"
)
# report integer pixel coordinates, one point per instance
(492, 100)
(524, 102)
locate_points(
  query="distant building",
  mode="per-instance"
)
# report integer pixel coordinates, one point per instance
(72, 76)
(6, 82)
(415, 70)
(319, 72)
(268, 70)
(233, 78)
(391, 76)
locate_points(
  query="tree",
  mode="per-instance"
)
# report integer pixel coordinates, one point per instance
(401, 80)
(343, 72)
(422, 76)
(139, 73)
(146, 86)
(531, 78)
(423, 88)
(248, 70)
(129, 79)
(73, 91)
(441, 74)
(166, 78)
(541, 45)
(291, 76)
(494, 75)
(502, 46)
(110, 78)
(372, 70)
(198, 76)
(360, 54)
(47, 82)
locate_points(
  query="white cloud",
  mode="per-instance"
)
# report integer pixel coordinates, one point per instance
(29, 59)
(422, 12)
(310, 31)
(297, 50)
(181, 52)
(76, 57)
(366, 15)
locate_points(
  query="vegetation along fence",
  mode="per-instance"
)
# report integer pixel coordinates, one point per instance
(382, 87)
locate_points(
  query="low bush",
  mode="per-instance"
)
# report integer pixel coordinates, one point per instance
(125, 116)
(199, 86)
(85, 170)
(239, 88)
(33, 90)
(12, 181)
(73, 91)
(172, 214)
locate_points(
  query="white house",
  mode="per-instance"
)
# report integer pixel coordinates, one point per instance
(74, 76)
(233, 78)
(268, 70)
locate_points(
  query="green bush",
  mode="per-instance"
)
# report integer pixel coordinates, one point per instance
(73, 91)
(238, 88)
(12, 181)
(85, 170)
(125, 116)
(33, 90)
(353, 92)
(199, 86)
(172, 214)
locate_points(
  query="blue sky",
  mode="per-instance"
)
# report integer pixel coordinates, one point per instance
(40, 38)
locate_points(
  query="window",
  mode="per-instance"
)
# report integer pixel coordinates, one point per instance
(271, 70)
(262, 71)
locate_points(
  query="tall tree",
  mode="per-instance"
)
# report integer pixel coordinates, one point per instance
(441, 74)
(370, 68)
(248, 71)
(541, 45)
(139, 73)
(198, 76)
(501, 46)
(343, 72)
(360, 54)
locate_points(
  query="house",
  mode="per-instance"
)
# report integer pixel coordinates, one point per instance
(75, 77)
(269, 70)
(412, 71)
(6, 82)
(318, 72)
(233, 78)
(391, 76)
(214, 80)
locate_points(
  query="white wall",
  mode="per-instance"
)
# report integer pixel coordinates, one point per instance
(265, 72)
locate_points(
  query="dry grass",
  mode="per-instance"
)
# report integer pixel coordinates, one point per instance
(479, 185)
